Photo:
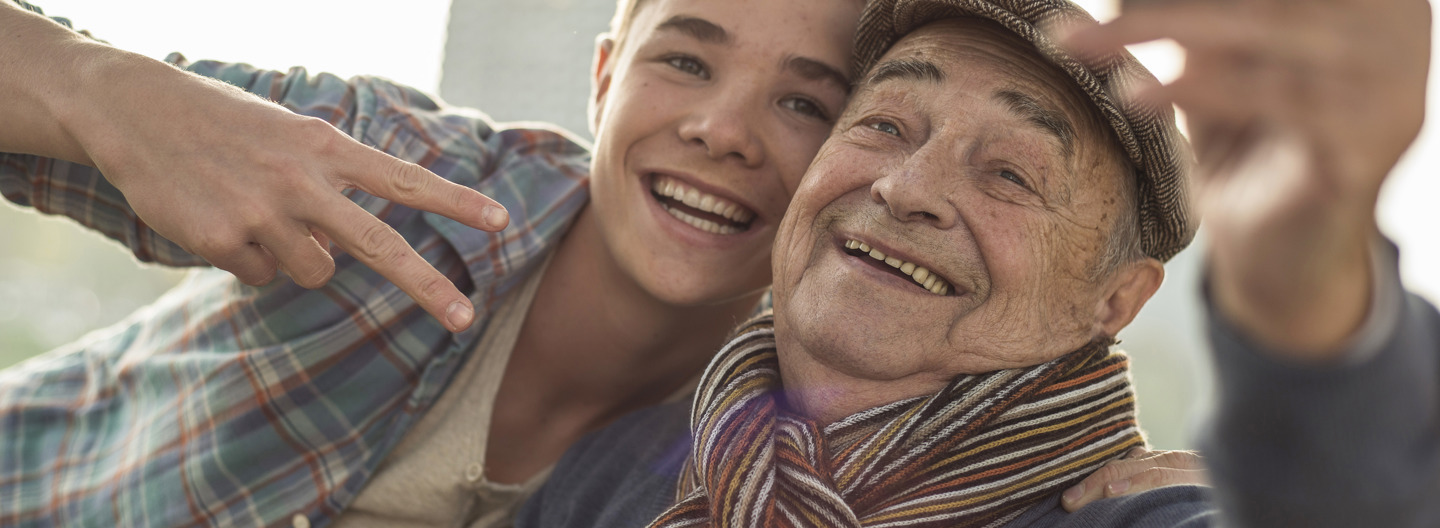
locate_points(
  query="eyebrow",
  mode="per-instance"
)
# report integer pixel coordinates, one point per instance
(703, 30)
(1039, 115)
(818, 71)
(906, 69)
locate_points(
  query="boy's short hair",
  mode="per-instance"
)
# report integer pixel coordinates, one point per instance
(625, 11)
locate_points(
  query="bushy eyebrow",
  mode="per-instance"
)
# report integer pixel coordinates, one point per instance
(1042, 117)
(699, 28)
(815, 70)
(907, 68)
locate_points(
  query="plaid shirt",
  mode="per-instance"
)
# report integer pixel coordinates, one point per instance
(228, 405)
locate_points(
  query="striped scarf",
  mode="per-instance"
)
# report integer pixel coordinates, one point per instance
(978, 453)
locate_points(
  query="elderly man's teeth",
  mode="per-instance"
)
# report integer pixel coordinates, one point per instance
(919, 274)
(671, 188)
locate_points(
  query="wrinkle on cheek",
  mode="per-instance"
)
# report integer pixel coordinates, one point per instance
(1068, 249)
(1003, 335)
(1073, 238)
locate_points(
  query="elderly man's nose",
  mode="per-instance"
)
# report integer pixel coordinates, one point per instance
(725, 129)
(916, 194)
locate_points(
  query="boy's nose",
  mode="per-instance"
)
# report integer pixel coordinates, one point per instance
(727, 127)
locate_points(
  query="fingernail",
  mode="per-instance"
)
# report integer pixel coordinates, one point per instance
(1074, 493)
(496, 216)
(1119, 486)
(459, 315)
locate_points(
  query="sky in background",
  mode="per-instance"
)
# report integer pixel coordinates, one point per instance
(399, 40)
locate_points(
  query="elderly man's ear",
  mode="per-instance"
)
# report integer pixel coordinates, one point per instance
(1126, 291)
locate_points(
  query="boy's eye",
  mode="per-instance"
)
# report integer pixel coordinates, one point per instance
(688, 65)
(886, 127)
(806, 107)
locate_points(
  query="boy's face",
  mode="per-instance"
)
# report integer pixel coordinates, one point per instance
(706, 119)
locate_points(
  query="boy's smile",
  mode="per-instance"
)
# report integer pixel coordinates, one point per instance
(707, 115)
(698, 208)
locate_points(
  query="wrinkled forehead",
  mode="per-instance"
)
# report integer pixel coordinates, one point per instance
(959, 46)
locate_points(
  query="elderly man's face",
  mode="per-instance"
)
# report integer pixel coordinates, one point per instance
(967, 155)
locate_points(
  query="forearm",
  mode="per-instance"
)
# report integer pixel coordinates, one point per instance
(43, 67)
(1344, 444)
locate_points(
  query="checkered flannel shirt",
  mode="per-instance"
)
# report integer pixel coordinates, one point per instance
(228, 405)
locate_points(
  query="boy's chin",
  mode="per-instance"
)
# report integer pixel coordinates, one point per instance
(702, 286)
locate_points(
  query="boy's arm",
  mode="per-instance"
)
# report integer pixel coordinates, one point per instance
(239, 181)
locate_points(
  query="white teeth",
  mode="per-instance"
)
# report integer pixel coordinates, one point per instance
(709, 203)
(920, 275)
(702, 223)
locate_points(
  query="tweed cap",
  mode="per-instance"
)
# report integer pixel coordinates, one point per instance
(1147, 134)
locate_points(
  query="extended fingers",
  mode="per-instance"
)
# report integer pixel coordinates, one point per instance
(1194, 24)
(379, 246)
(387, 177)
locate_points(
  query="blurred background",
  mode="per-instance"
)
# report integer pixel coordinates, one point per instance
(529, 60)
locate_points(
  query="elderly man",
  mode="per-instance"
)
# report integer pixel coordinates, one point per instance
(986, 216)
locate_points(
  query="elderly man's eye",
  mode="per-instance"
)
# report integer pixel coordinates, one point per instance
(1014, 178)
(886, 127)
(688, 65)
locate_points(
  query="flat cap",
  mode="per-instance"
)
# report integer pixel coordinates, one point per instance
(1147, 133)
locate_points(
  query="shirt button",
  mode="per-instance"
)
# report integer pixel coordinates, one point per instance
(300, 521)
(474, 471)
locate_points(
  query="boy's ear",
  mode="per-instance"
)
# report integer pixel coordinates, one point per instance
(1126, 292)
(602, 68)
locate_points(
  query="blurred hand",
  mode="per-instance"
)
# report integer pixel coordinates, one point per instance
(1141, 470)
(1297, 110)
(253, 188)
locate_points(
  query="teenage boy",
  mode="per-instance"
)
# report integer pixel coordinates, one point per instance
(234, 404)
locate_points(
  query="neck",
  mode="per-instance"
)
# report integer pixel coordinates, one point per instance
(607, 343)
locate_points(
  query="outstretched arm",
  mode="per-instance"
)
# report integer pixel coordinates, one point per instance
(239, 181)
(1328, 374)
